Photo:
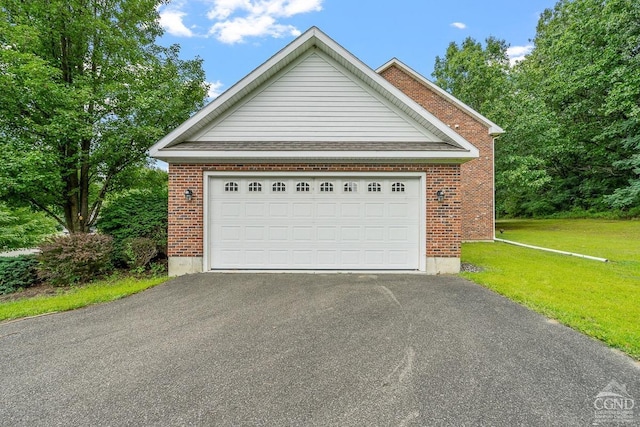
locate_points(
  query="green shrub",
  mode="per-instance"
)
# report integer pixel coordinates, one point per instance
(23, 228)
(78, 257)
(18, 273)
(158, 269)
(139, 252)
(134, 214)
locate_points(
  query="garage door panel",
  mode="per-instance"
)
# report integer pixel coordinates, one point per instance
(279, 258)
(327, 233)
(350, 210)
(231, 233)
(320, 227)
(374, 234)
(399, 210)
(327, 258)
(280, 233)
(230, 209)
(254, 233)
(303, 234)
(253, 258)
(397, 257)
(350, 257)
(374, 257)
(254, 210)
(303, 258)
(303, 210)
(280, 210)
(374, 210)
(398, 233)
(350, 234)
(231, 257)
(326, 210)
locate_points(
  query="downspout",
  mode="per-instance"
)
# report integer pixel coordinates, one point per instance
(493, 178)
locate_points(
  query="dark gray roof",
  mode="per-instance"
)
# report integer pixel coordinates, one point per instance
(313, 146)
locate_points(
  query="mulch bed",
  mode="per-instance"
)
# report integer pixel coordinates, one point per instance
(34, 291)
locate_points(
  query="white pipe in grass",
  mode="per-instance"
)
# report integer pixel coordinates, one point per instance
(594, 258)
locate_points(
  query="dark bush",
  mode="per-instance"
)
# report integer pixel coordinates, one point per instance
(18, 273)
(139, 252)
(134, 214)
(79, 257)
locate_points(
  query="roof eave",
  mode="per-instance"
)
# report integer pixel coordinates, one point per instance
(192, 156)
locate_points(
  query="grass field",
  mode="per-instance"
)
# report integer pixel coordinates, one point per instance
(76, 297)
(599, 299)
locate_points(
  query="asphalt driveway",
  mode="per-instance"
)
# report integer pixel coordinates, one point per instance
(305, 349)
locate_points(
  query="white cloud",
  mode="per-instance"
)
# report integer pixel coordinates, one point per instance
(171, 21)
(224, 8)
(236, 20)
(459, 25)
(215, 89)
(237, 29)
(295, 7)
(518, 53)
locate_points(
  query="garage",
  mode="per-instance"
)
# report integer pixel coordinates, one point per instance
(314, 161)
(314, 222)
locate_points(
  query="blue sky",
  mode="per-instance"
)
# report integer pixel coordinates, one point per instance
(236, 36)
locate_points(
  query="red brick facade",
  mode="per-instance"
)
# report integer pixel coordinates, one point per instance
(443, 219)
(477, 174)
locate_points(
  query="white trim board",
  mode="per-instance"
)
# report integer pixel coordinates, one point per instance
(421, 249)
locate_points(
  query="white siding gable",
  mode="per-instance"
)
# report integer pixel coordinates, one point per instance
(315, 99)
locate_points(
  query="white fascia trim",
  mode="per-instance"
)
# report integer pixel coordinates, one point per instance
(308, 155)
(494, 129)
(207, 175)
(315, 173)
(206, 244)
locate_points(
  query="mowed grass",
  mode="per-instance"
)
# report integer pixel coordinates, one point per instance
(76, 297)
(599, 299)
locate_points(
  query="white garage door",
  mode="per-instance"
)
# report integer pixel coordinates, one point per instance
(336, 223)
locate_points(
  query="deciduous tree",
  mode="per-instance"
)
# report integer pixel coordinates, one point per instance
(585, 67)
(85, 92)
(475, 74)
(482, 78)
(571, 109)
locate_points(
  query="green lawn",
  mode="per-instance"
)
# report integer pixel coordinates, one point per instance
(599, 299)
(76, 297)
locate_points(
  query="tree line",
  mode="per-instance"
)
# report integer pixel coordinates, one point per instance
(570, 109)
(86, 90)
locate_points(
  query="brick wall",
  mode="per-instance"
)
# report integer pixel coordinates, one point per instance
(477, 174)
(186, 217)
